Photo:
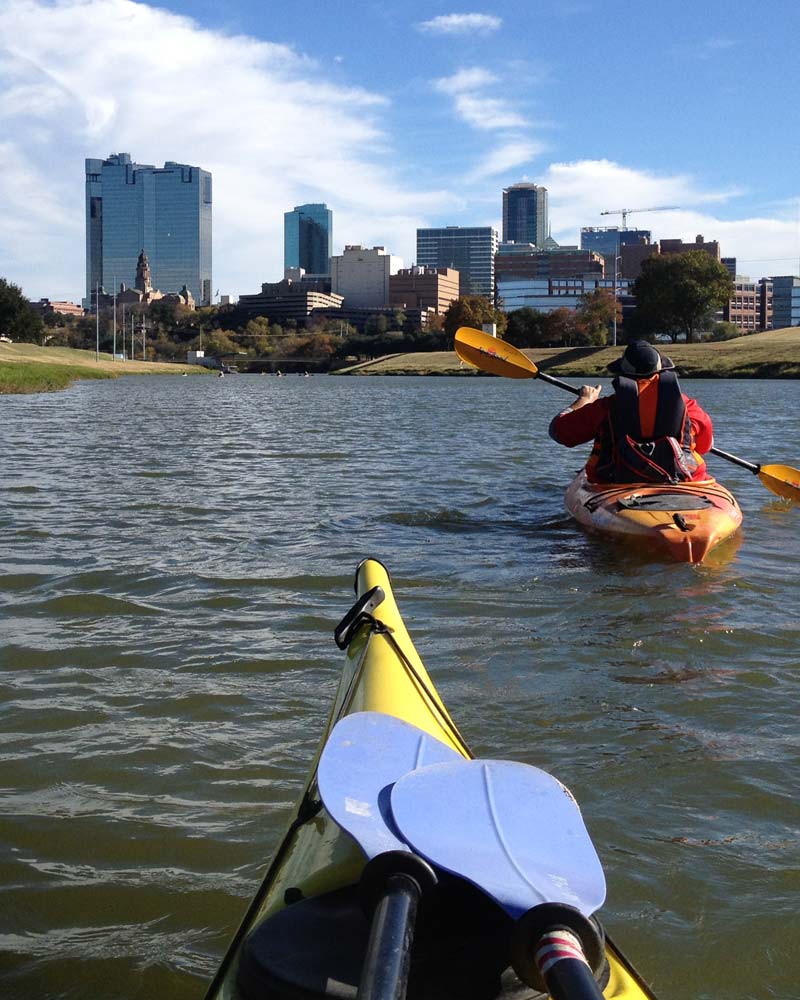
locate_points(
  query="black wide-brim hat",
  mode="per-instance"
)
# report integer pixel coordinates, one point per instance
(640, 360)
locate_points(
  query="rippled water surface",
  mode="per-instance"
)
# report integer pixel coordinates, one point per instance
(175, 553)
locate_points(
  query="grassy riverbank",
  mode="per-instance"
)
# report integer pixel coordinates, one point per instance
(28, 368)
(773, 354)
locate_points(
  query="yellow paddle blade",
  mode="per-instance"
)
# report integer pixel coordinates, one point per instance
(483, 351)
(782, 480)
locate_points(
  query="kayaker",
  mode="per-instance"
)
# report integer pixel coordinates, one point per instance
(647, 431)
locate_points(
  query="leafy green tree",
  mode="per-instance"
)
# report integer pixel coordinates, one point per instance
(595, 315)
(163, 315)
(376, 325)
(18, 319)
(677, 293)
(474, 311)
(560, 327)
(527, 327)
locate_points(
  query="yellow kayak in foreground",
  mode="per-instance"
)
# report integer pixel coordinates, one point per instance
(304, 934)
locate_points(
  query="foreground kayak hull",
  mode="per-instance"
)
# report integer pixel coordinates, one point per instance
(382, 673)
(682, 522)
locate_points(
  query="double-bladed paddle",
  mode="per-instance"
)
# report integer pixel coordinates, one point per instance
(512, 830)
(516, 833)
(489, 354)
(363, 757)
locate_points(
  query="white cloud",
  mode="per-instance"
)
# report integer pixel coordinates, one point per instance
(461, 24)
(78, 81)
(465, 80)
(508, 156)
(580, 191)
(474, 106)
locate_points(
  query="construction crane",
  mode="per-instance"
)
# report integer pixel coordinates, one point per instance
(625, 212)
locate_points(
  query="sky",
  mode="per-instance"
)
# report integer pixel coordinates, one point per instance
(403, 115)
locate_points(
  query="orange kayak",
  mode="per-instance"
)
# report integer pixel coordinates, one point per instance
(684, 521)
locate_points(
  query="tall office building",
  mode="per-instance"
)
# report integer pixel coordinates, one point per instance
(470, 250)
(525, 218)
(165, 211)
(609, 241)
(308, 238)
(785, 301)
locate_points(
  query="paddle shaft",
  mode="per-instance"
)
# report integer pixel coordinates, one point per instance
(388, 958)
(564, 969)
(558, 382)
(755, 469)
(392, 885)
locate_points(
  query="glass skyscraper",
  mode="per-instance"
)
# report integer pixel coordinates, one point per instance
(308, 238)
(608, 241)
(165, 211)
(470, 250)
(525, 217)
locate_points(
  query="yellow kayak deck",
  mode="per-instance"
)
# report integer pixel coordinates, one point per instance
(382, 673)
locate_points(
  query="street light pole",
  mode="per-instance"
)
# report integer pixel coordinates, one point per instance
(614, 321)
(114, 355)
(97, 321)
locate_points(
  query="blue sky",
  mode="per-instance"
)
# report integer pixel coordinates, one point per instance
(400, 115)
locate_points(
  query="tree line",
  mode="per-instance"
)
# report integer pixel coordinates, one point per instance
(676, 295)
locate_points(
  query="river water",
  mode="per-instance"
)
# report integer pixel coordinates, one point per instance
(175, 554)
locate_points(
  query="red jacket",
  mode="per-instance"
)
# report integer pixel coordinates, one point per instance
(590, 422)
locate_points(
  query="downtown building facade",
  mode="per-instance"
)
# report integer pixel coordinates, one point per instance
(428, 289)
(163, 211)
(361, 276)
(785, 301)
(308, 238)
(525, 214)
(609, 242)
(470, 250)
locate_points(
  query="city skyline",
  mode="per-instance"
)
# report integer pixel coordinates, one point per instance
(417, 120)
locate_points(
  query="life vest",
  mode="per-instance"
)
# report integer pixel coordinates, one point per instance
(662, 453)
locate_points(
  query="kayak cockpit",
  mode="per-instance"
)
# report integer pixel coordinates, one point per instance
(315, 948)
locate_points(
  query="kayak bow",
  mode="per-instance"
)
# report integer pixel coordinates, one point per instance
(305, 932)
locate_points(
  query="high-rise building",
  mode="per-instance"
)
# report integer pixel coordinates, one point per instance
(525, 214)
(609, 241)
(361, 275)
(164, 211)
(470, 250)
(308, 238)
(424, 288)
(785, 301)
(711, 247)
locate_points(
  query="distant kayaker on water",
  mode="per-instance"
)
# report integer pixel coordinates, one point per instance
(648, 431)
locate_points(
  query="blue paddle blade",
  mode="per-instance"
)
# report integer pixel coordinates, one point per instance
(510, 829)
(365, 754)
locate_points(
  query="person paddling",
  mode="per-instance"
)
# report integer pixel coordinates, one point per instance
(647, 431)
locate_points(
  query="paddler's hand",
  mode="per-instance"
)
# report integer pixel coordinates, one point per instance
(589, 394)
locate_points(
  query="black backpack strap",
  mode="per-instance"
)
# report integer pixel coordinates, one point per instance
(671, 411)
(625, 408)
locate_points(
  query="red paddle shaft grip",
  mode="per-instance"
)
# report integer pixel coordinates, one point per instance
(563, 967)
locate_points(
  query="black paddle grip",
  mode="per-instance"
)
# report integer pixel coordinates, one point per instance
(544, 919)
(384, 870)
